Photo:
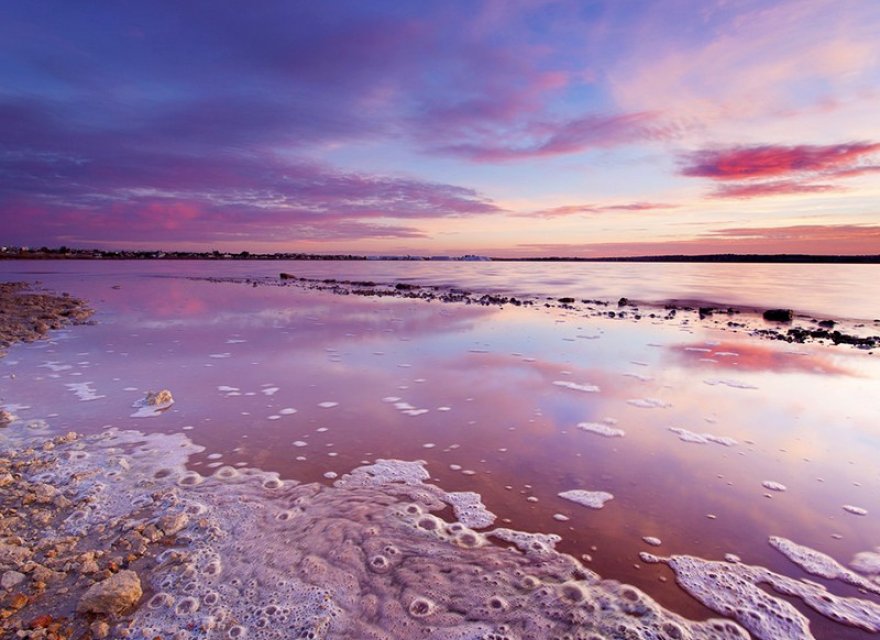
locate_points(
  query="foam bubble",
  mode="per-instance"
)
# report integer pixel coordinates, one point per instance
(601, 429)
(648, 403)
(651, 540)
(736, 384)
(774, 486)
(588, 388)
(84, 391)
(867, 562)
(820, 564)
(702, 438)
(469, 509)
(859, 511)
(591, 499)
(734, 590)
(328, 404)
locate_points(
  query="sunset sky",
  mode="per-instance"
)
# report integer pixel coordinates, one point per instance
(498, 127)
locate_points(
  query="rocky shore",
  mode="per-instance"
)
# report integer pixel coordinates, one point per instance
(784, 325)
(27, 315)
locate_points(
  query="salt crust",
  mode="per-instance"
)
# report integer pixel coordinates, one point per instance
(263, 557)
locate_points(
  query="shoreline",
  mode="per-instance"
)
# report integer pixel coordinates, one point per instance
(785, 325)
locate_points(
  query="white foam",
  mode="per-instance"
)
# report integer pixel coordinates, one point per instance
(651, 540)
(588, 388)
(648, 403)
(867, 562)
(220, 355)
(328, 404)
(734, 590)
(269, 391)
(469, 509)
(702, 438)
(287, 411)
(601, 429)
(638, 376)
(859, 511)
(84, 391)
(591, 499)
(773, 485)
(736, 384)
(820, 564)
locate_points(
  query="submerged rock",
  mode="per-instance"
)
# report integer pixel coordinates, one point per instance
(778, 315)
(159, 398)
(113, 595)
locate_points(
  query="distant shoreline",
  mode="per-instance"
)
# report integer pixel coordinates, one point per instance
(89, 254)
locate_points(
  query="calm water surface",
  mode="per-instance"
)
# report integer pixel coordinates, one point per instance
(305, 383)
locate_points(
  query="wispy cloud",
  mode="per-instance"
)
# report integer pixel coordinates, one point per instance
(772, 170)
(853, 239)
(592, 209)
(770, 161)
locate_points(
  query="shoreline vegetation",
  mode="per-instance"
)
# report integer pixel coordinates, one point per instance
(66, 253)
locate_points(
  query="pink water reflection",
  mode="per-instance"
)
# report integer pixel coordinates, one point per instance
(251, 367)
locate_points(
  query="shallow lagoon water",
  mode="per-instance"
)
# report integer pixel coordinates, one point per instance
(309, 383)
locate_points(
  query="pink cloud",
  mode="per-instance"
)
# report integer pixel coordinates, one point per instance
(774, 188)
(847, 239)
(769, 161)
(773, 170)
(545, 139)
(588, 209)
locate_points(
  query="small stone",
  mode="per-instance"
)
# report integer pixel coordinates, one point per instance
(171, 524)
(100, 629)
(113, 595)
(11, 579)
(5, 418)
(43, 493)
(6, 479)
(89, 566)
(159, 398)
(778, 315)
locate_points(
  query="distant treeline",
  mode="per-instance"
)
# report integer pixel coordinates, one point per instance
(717, 257)
(46, 253)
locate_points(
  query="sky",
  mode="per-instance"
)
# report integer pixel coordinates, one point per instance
(510, 128)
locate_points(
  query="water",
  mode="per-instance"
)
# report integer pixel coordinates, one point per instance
(834, 291)
(307, 383)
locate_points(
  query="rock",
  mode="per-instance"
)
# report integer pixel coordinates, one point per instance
(286, 276)
(113, 595)
(12, 555)
(171, 524)
(44, 574)
(100, 629)
(43, 493)
(828, 324)
(778, 315)
(5, 418)
(705, 312)
(11, 579)
(623, 302)
(159, 398)
(89, 566)
(566, 300)
(6, 479)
